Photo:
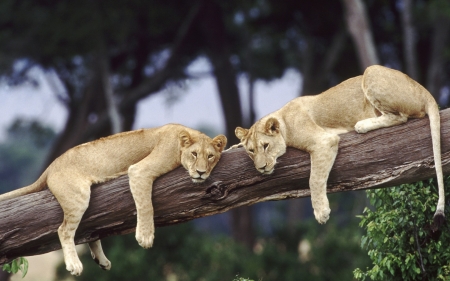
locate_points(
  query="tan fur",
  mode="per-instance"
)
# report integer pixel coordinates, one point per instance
(144, 155)
(382, 97)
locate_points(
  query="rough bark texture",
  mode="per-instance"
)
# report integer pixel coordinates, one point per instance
(386, 157)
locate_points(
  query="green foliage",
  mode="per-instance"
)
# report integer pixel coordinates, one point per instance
(399, 240)
(182, 253)
(16, 265)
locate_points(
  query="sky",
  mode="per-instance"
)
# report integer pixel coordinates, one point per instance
(196, 102)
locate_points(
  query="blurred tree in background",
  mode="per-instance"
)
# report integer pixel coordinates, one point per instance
(111, 54)
(22, 153)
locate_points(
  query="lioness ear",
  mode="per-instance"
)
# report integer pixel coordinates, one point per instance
(272, 126)
(219, 142)
(185, 139)
(240, 132)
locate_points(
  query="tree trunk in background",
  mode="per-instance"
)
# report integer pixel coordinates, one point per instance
(409, 40)
(82, 108)
(308, 87)
(112, 108)
(440, 38)
(316, 70)
(359, 28)
(251, 100)
(216, 41)
(91, 101)
(215, 36)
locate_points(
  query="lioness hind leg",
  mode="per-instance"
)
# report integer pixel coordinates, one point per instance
(98, 255)
(383, 121)
(74, 200)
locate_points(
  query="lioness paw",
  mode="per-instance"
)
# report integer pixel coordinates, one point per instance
(360, 128)
(145, 241)
(322, 216)
(104, 263)
(74, 266)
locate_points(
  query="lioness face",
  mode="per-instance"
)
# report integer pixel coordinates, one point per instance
(200, 155)
(263, 144)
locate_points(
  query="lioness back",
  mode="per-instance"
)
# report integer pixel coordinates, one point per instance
(110, 157)
(339, 107)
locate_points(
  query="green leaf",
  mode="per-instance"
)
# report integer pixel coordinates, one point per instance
(7, 268)
(24, 270)
(14, 266)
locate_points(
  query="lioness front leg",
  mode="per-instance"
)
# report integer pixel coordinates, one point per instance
(142, 175)
(323, 155)
(141, 186)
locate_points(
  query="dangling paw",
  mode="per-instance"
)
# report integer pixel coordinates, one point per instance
(103, 262)
(322, 215)
(74, 266)
(145, 240)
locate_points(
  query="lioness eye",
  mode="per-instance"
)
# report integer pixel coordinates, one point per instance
(210, 156)
(266, 145)
(194, 154)
(251, 150)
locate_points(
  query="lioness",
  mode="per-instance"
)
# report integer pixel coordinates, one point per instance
(145, 154)
(381, 97)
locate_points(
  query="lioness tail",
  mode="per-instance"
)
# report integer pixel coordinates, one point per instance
(38, 185)
(435, 121)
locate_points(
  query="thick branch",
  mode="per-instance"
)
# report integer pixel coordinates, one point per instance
(381, 158)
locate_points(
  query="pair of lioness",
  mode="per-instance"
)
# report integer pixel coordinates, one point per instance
(382, 97)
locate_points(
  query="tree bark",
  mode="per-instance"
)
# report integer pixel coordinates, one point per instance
(382, 158)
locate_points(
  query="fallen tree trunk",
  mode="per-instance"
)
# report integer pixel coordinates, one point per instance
(382, 158)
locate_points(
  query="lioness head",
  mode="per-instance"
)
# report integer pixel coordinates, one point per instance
(200, 154)
(263, 143)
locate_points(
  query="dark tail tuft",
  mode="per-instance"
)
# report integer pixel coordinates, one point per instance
(438, 221)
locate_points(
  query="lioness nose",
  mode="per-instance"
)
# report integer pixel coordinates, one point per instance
(262, 168)
(200, 172)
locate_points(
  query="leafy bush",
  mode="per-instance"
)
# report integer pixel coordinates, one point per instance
(399, 239)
